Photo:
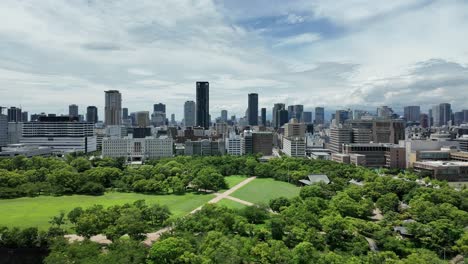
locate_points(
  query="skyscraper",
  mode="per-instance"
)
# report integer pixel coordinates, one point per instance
(3, 129)
(263, 116)
(319, 115)
(412, 113)
(253, 109)
(142, 119)
(92, 114)
(465, 115)
(73, 110)
(24, 117)
(307, 117)
(113, 108)
(295, 111)
(189, 113)
(125, 113)
(203, 105)
(224, 115)
(160, 107)
(275, 114)
(14, 114)
(341, 116)
(441, 114)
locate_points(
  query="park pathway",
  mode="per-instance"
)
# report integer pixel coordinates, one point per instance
(152, 237)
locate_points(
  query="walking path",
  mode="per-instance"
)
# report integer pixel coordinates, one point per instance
(152, 237)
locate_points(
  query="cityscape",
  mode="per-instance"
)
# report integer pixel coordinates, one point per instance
(435, 141)
(234, 132)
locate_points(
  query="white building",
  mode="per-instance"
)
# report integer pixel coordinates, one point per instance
(234, 145)
(137, 149)
(294, 146)
(60, 134)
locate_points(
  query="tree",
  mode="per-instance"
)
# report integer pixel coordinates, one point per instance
(277, 203)
(81, 164)
(255, 214)
(388, 202)
(58, 220)
(209, 179)
(423, 256)
(75, 214)
(157, 214)
(169, 250)
(305, 253)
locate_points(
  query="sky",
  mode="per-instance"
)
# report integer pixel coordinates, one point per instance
(339, 54)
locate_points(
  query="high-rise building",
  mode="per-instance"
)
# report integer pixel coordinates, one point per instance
(262, 142)
(24, 117)
(276, 115)
(295, 111)
(385, 112)
(441, 114)
(294, 129)
(465, 116)
(424, 120)
(3, 129)
(341, 116)
(189, 114)
(263, 114)
(319, 115)
(73, 110)
(14, 114)
(224, 115)
(412, 113)
(282, 117)
(160, 107)
(125, 114)
(113, 108)
(458, 118)
(338, 137)
(15, 131)
(253, 109)
(307, 117)
(92, 114)
(142, 119)
(203, 104)
(173, 121)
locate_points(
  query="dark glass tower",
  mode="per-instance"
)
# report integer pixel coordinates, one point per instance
(263, 116)
(203, 105)
(253, 109)
(92, 114)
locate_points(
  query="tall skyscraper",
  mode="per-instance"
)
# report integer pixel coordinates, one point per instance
(263, 114)
(24, 117)
(341, 116)
(441, 114)
(160, 107)
(92, 114)
(224, 115)
(142, 119)
(307, 117)
(319, 115)
(203, 105)
(73, 110)
(125, 113)
(189, 113)
(275, 114)
(253, 109)
(3, 129)
(295, 111)
(14, 114)
(113, 108)
(458, 118)
(384, 112)
(412, 113)
(173, 121)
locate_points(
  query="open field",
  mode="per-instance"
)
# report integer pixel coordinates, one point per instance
(37, 211)
(231, 204)
(262, 190)
(233, 181)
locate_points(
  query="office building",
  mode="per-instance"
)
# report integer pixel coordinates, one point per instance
(234, 145)
(142, 119)
(319, 115)
(125, 115)
(441, 114)
(205, 147)
(385, 112)
(138, 149)
(341, 116)
(276, 118)
(445, 171)
(24, 117)
(294, 147)
(307, 117)
(412, 113)
(15, 131)
(158, 119)
(113, 108)
(294, 129)
(247, 146)
(253, 110)
(263, 117)
(14, 114)
(189, 113)
(465, 116)
(221, 129)
(92, 114)
(262, 142)
(14, 150)
(3, 129)
(295, 111)
(159, 107)
(377, 155)
(458, 118)
(61, 133)
(73, 110)
(203, 105)
(338, 137)
(224, 115)
(424, 120)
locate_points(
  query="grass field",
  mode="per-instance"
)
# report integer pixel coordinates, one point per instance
(230, 204)
(233, 181)
(37, 211)
(263, 190)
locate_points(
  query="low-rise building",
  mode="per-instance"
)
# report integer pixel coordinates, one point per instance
(441, 170)
(14, 150)
(138, 149)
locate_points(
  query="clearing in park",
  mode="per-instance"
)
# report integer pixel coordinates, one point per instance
(262, 190)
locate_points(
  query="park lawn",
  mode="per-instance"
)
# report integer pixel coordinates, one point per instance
(262, 190)
(231, 204)
(37, 211)
(232, 181)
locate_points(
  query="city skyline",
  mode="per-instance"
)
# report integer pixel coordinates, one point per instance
(338, 55)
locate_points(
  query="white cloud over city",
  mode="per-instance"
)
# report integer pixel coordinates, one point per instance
(352, 53)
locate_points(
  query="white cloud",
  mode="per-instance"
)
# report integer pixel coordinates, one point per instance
(306, 38)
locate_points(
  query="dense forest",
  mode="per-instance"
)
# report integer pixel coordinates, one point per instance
(420, 222)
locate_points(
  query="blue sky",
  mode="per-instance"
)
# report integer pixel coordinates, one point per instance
(338, 54)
